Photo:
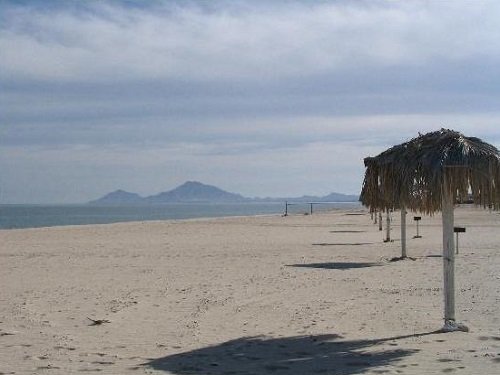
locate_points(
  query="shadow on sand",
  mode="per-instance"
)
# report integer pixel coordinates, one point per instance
(347, 231)
(343, 244)
(335, 265)
(298, 355)
(401, 258)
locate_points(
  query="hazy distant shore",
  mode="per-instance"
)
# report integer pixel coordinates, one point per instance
(302, 294)
(37, 216)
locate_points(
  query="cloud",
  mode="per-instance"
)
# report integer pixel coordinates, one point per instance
(264, 158)
(110, 41)
(80, 173)
(258, 97)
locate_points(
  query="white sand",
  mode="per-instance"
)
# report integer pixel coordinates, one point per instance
(258, 295)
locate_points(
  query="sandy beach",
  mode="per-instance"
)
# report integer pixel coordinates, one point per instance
(303, 294)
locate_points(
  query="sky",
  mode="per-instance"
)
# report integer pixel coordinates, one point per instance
(261, 98)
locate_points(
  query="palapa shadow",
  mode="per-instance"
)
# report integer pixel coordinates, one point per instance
(347, 231)
(401, 258)
(343, 244)
(297, 355)
(335, 265)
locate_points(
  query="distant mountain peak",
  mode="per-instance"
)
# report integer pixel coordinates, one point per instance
(120, 191)
(118, 197)
(193, 183)
(195, 191)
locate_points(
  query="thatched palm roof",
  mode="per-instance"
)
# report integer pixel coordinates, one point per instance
(412, 174)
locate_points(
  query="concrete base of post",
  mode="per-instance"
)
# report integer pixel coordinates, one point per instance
(452, 326)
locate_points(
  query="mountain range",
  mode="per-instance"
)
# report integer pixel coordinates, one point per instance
(196, 192)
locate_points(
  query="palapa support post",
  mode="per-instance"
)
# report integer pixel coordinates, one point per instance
(376, 215)
(380, 220)
(403, 233)
(387, 226)
(286, 209)
(450, 325)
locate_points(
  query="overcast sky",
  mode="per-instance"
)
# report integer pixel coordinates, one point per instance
(262, 98)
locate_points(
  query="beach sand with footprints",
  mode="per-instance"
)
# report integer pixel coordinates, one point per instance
(302, 294)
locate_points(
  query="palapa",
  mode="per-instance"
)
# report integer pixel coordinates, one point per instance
(411, 174)
(431, 173)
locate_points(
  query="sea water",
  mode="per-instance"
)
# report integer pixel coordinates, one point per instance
(35, 216)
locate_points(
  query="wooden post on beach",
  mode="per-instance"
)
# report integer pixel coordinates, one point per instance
(311, 208)
(375, 215)
(387, 226)
(448, 256)
(286, 208)
(380, 220)
(417, 219)
(449, 260)
(458, 230)
(403, 232)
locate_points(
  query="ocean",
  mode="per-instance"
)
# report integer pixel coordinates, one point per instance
(16, 216)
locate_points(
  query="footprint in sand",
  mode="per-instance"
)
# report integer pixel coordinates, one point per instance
(103, 363)
(59, 347)
(90, 370)
(48, 367)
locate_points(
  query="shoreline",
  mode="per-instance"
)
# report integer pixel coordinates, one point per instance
(117, 221)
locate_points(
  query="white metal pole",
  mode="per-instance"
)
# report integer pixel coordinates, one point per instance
(403, 233)
(449, 261)
(387, 226)
(448, 257)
